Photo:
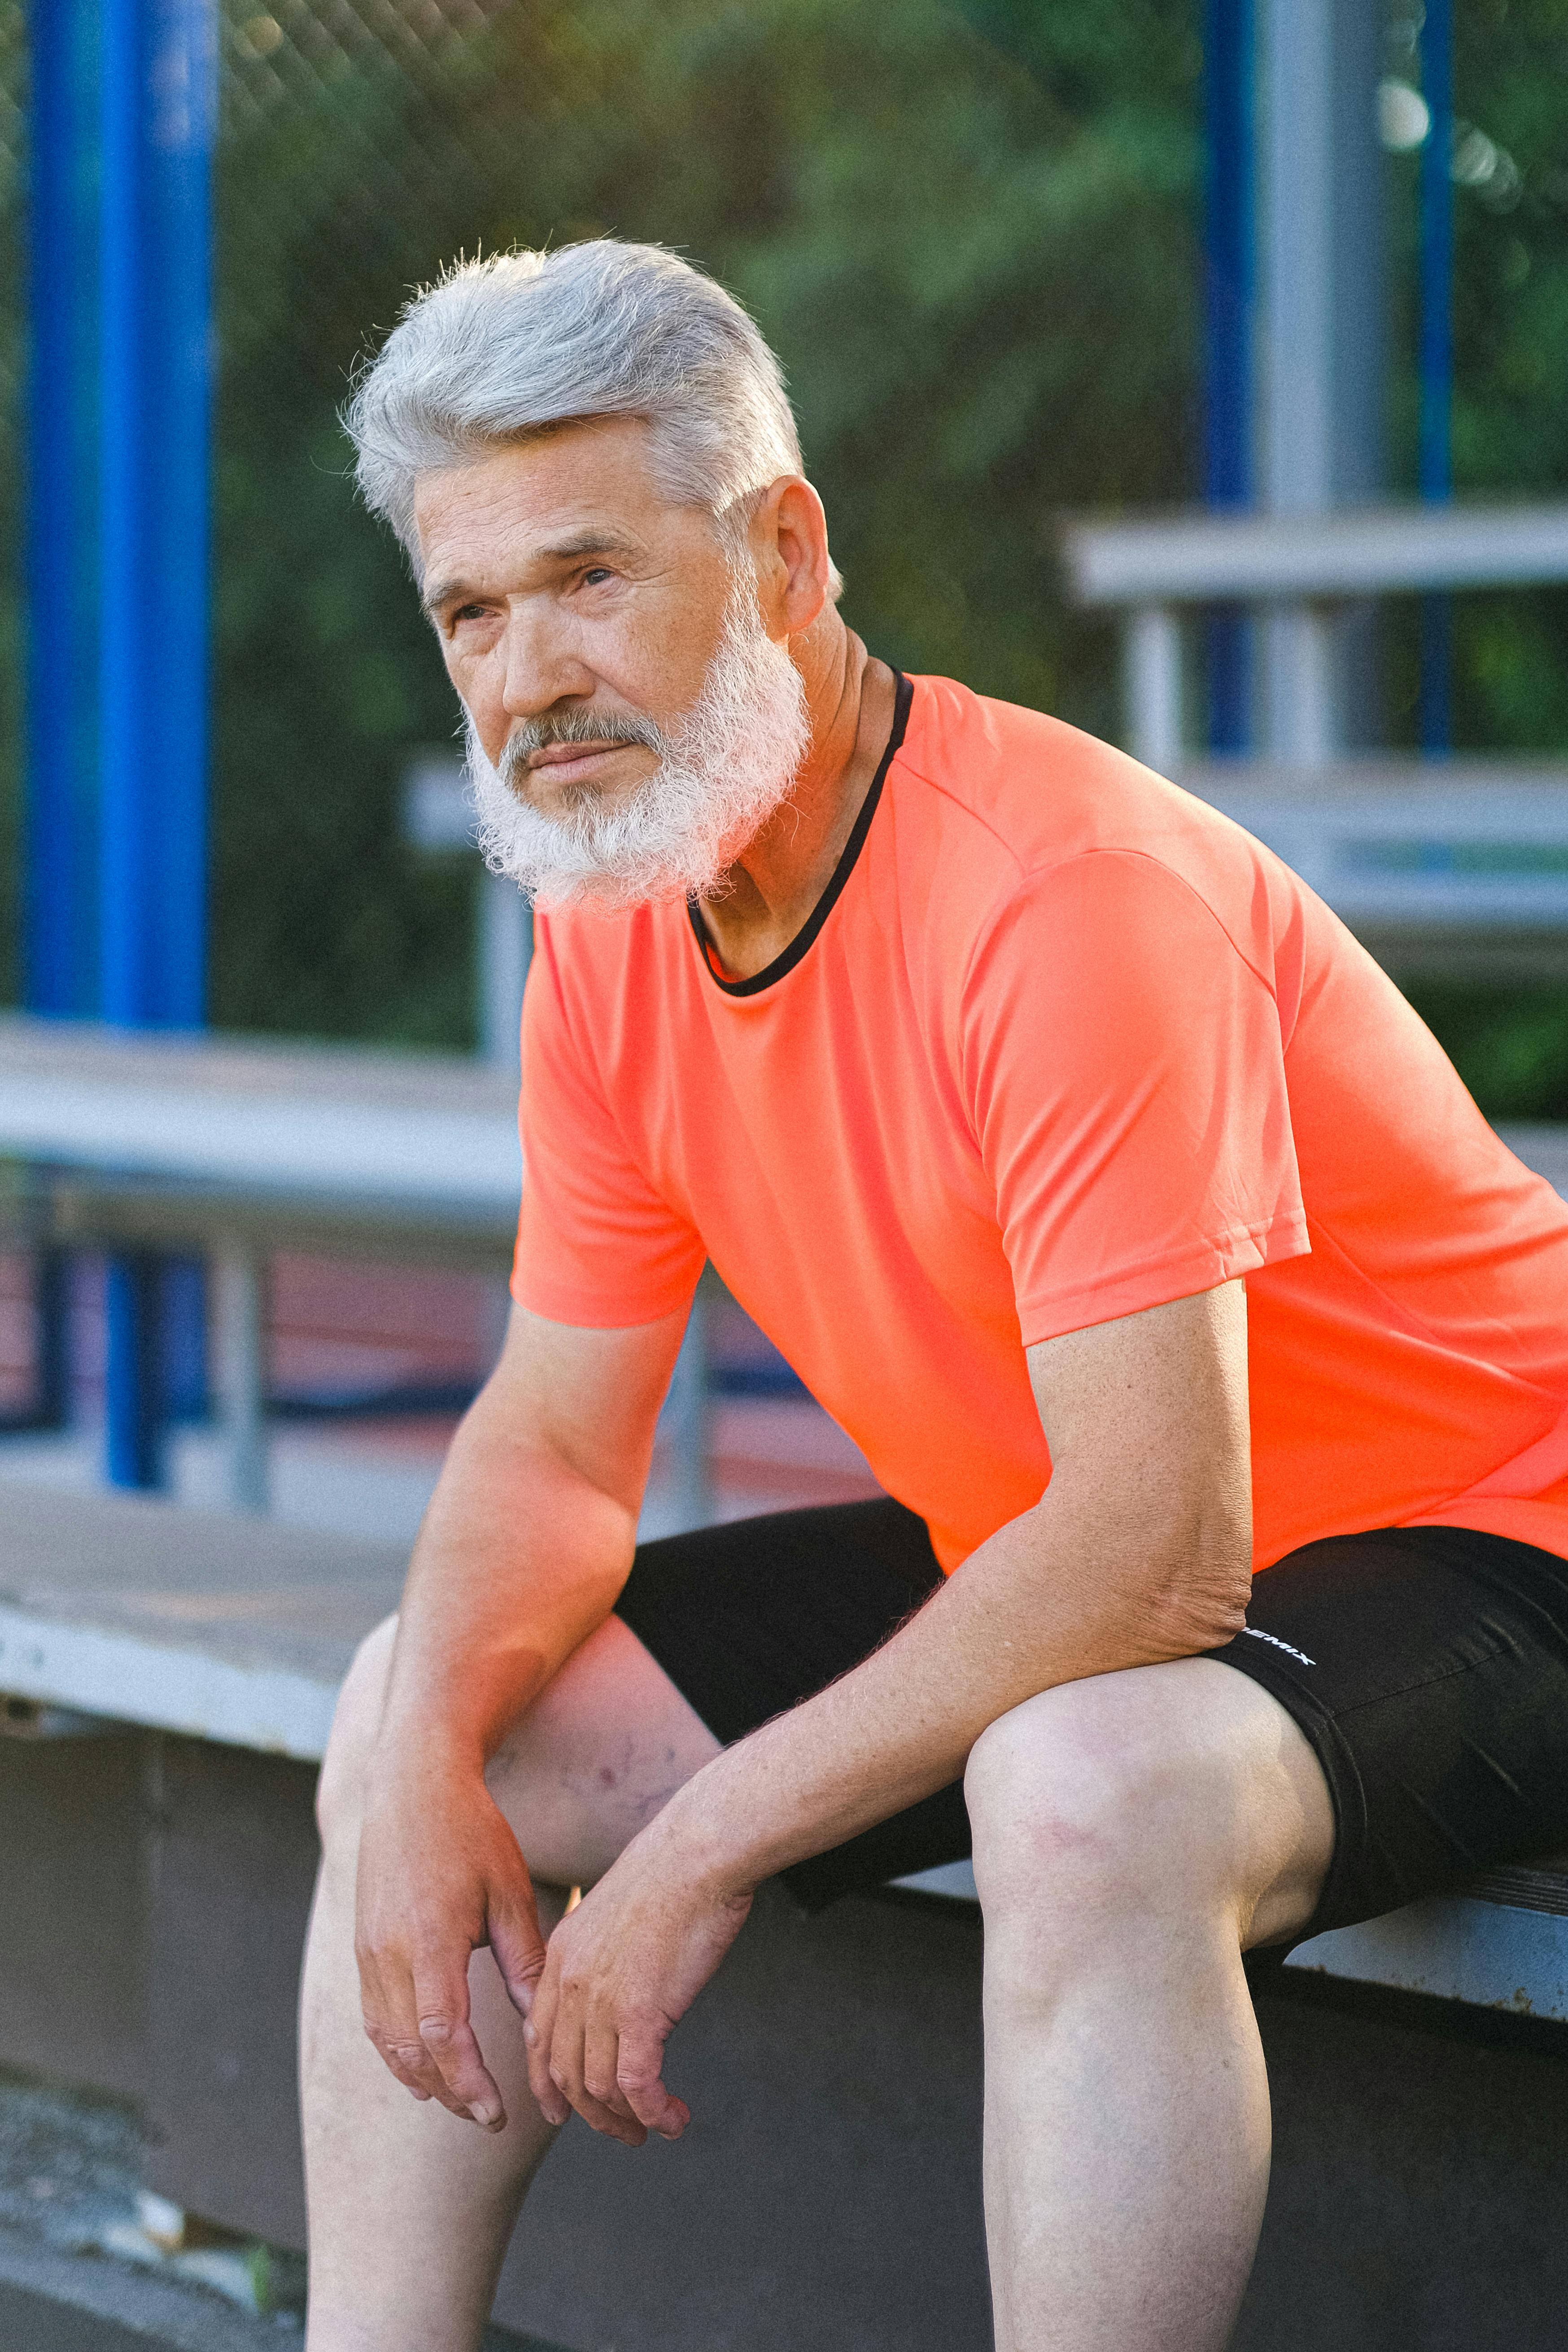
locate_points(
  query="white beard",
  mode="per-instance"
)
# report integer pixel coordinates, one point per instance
(722, 770)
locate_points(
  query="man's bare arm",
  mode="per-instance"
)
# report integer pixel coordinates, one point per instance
(526, 1545)
(1139, 1551)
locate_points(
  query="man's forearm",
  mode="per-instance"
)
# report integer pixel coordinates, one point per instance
(519, 1558)
(1054, 1596)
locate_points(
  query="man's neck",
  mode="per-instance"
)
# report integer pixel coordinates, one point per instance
(778, 879)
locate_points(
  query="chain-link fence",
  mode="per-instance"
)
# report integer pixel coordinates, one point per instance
(904, 202)
(359, 149)
(968, 225)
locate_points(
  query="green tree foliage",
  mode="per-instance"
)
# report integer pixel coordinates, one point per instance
(976, 265)
(969, 228)
(1511, 408)
(1510, 436)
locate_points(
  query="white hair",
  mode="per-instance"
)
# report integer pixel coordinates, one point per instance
(499, 349)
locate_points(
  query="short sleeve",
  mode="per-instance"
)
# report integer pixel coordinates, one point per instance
(1126, 1081)
(596, 1243)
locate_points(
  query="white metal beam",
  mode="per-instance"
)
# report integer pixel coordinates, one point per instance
(170, 1688)
(1194, 557)
(1154, 686)
(240, 1320)
(1492, 1955)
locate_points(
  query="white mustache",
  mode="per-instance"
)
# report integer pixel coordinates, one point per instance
(576, 727)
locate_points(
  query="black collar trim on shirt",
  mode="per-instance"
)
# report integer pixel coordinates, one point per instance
(903, 696)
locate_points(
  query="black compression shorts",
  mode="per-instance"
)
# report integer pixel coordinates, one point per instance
(1428, 1666)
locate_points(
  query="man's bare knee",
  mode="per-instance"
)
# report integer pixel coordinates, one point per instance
(356, 1721)
(593, 1758)
(1177, 1791)
(1060, 1790)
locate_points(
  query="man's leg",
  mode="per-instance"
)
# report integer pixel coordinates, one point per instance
(1132, 1832)
(411, 2209)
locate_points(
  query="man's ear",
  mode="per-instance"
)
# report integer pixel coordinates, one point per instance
(795, 572)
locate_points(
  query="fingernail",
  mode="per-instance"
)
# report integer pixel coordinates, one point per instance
(529, 2032)
(486, 2115)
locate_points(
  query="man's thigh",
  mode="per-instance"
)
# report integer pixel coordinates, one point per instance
(602, 1749)
(1428, 1669)
(605, 1745)
(718, 1631)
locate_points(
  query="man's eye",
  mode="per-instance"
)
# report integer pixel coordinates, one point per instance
(469, 613)
(591, 578)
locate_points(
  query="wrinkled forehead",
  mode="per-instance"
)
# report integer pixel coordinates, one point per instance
(552, 496)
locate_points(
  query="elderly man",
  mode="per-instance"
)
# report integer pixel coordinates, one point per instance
(1096, 1180)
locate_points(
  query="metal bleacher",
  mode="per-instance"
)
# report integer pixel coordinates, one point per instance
(240, 1148)
(1458, 866)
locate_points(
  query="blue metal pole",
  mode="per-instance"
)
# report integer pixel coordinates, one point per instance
(159, 108)
(159, 114)
(1229, 277)
(133, 1424)
(58, 946)
(1435, 465)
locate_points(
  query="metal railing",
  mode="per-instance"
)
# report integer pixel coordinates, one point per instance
(1450, 863)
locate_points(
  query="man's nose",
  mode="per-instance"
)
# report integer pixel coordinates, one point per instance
(542, 668)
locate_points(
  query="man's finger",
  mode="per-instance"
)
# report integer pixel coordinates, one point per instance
(601, 2060)
(386, 2006)
(441, 1999)
(610, 2115)
(610, 2124)
(538, 2033)
(554, 2033)
(640, 2076)
(406, 2057)
(409, 2066)
(519, 1952)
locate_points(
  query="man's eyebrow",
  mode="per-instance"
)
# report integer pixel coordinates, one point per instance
(565, 550)
(589, 542)
(442, 593)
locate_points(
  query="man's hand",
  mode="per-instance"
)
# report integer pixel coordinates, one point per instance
(441, 1874)
(523, 1550)
(622, 1969)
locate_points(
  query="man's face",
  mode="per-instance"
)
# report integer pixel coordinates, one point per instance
(631, 722)
(561, 581)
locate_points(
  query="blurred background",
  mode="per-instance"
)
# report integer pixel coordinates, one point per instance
(1019, 260)
(975, 235)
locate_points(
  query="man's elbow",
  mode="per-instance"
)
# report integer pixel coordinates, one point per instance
(1201, 1600)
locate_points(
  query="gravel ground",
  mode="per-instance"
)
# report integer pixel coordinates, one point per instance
(70, 2186)
(70, 2181)
(69, 2164)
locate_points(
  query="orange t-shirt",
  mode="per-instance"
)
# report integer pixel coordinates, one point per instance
(1059, 1042)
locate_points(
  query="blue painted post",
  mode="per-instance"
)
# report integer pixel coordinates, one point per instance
(133, 1423)
(1229, 271)
(159, 106)
(158, 125)
(1435, 463)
